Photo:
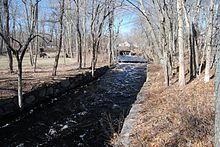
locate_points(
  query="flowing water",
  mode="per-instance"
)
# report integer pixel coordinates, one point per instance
(86, 116)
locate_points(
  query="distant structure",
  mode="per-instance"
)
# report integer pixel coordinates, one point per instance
(127, 48)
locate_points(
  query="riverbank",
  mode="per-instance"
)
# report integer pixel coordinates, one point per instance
(43, 74)
(173, 116)
(46, 94)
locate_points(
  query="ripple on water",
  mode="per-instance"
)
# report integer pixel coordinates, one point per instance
(85, 116)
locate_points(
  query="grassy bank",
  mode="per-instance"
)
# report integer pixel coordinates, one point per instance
(175, 116)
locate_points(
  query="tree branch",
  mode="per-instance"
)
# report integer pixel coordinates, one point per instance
(31, 37)
(17, 42)
(6, 42)
(140, 11)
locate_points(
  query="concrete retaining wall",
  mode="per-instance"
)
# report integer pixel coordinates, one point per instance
(47, 91)
(130, 120)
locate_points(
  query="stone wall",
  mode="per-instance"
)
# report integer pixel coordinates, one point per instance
(130, 121)
(46, 92)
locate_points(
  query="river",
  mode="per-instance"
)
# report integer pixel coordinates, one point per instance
(86, 116)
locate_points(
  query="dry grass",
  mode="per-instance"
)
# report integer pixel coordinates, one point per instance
(175, 116)
(8, 82)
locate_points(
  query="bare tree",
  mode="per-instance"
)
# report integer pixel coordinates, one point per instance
(37, 39)
(20, 52)
(181, 43)
(99, 15)
(79, 34)
(60, 38)
(189, 42)
(209, 41)
(7, 33)
(85, 7)
(111, 30)
(194, 27)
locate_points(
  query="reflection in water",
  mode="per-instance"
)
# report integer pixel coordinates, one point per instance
(87, 116)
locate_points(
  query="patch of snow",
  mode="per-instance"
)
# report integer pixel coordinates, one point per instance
(71, 121)
(4, 126)
(52, 132)
(61, 125)
(31, 111)
(82, 113)
(64, 127)
(80, 144)
(20, 145)
(82, 136)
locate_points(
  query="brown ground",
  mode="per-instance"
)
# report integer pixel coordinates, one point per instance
(8, 82)
(175, 116)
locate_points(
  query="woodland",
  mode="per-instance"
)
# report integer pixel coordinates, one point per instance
(181, 36)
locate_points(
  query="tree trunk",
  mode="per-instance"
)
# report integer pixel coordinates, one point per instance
(217, 86)
(158, 47)
(20, 96)
(85, 45)
(166, 69)
(71, 41)
(110, 45)
(181, 43)
(189, 44)
(111, 21)
(93, 58)
(209, 42)
(7, 34)
(37, 39)
(84, 32)
(2, 30)
(64, 51)
(79, 35)
(195, 45)
(217, 101)
(31, 53)
(20, 52)
(54, 73)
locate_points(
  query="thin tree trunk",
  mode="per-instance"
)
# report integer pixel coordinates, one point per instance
(111, 21)
(2, 30)
(93, 59)
(165, 54)
(181, 43)
(64, 52)
(7, 34)
(71, 42)
(202, 59)
(195, 39)
(60, 41)
(36, 54)
(110, 44)
(189, 44)
(20, 96)
(31, 53)
(37, 41)
(84, 31)
(76, 47)
(209, 42)
(79, 35)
